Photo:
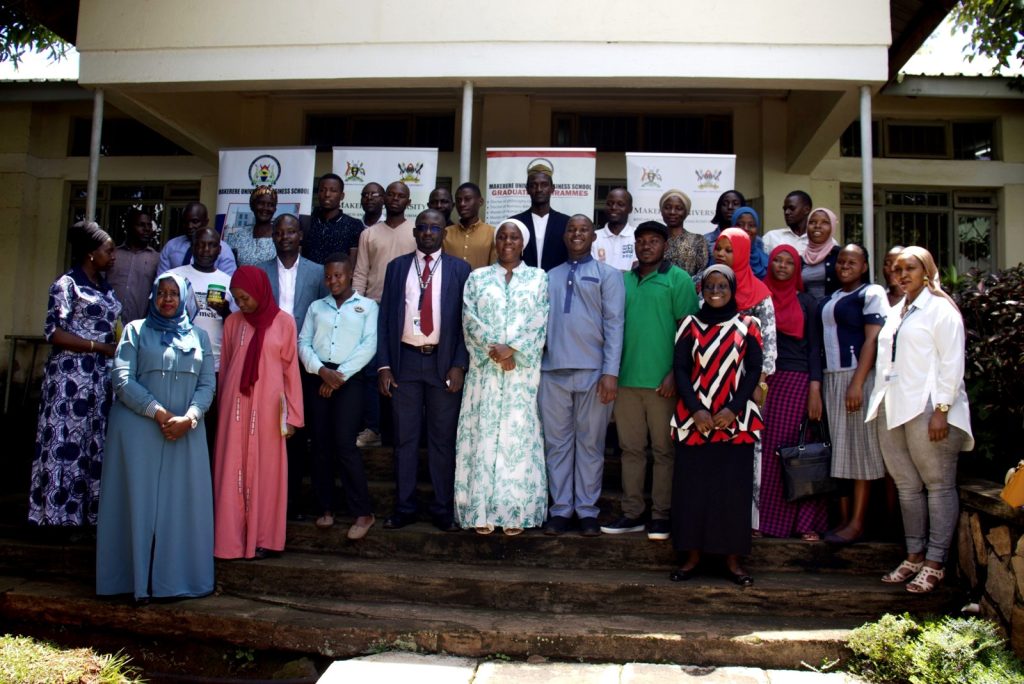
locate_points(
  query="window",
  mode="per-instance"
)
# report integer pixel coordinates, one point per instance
(121, 138)
(381, 130)
(165, 203)
(710, 134)
(961, 140)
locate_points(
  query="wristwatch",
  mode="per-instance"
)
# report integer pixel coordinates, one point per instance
(943, 408)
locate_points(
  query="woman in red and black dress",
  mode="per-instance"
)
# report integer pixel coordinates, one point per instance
(717, 367)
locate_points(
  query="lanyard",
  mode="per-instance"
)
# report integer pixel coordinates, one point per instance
(424, 284)
(895, 335)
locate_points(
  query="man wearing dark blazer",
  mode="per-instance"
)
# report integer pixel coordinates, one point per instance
(422, 361)
(296, 282)
(547, 226)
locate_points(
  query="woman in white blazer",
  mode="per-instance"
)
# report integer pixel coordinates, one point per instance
(923, 418)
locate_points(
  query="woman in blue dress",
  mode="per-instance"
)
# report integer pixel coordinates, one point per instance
(155, 536)
(80, 322)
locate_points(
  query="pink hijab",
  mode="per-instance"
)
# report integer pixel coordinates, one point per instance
(815, 254)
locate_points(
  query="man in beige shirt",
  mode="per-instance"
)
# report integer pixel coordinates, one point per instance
(470, 239)
(381, 243)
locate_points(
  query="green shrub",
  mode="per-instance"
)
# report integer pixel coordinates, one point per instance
(949, 650)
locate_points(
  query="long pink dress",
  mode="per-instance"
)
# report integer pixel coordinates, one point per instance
(251, 466)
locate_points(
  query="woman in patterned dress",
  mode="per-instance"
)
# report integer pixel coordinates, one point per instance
(688, 251)
(716, 423)
(500, 477)
(255, 246)
(76, 396)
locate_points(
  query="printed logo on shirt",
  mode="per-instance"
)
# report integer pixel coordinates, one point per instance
(359, 309)
(629, 250)
(264, 170)
(601, 254)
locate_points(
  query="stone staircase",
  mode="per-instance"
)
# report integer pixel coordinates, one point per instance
(567, 597)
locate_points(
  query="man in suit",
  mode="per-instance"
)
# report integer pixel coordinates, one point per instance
(422, 361)
(296, 282)
(546, 247)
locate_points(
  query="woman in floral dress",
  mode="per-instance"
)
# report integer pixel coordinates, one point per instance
(254, 246)
(500, 478)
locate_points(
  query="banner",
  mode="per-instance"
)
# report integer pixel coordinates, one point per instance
(573, 172)
(701, 176)
(289, 170)
(414, 166)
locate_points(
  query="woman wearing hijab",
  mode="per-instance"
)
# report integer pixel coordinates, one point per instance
(716, 424)
(923, 418)
(747, 219)
(798, 362)
(260, 406)
(688, 251)
(256, 245)
(81, 317)
(820, 255)
(500, 477)
(155, 536)
(753, 298)
(728, 202)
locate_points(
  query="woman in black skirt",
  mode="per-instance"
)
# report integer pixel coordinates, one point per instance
(717, 366)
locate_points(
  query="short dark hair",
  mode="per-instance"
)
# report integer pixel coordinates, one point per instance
(133, 215)
(803, 196)
(629, 195)
(331, 176)
(203, 229)
(279, 217)
(337, 258)
(470, 186)
(866, 277)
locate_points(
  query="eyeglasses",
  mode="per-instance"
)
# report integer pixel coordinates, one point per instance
(425, 228)
(372, 194)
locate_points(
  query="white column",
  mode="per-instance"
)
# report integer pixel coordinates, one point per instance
(94, 154)
(867, 182)
(466, 143)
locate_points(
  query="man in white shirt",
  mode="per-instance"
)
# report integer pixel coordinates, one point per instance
(795, 209)
(615, 244)
(203, 274)
(546, 247)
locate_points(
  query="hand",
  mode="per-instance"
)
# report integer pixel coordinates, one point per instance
(455, 377)
(289, 430)
(221, 307)
(854, 396)
(507, 364)
(385, 381)
(724, 419)
(325, 390)
(176, 427)
(702, 419)
(758, 396)
(667, 388)
(331, 377)
(814, 409)
(938, 426)
(607, 388)
(162, 416)
(500, 352)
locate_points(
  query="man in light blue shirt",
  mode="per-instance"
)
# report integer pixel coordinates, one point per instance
(178, 250)
(338, 338)
(579, 377)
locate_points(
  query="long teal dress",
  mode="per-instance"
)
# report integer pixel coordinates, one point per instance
(500, 476)
(155, 533)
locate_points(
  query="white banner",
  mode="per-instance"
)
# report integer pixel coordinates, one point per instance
(701, 176)
(414, 166)
(289, 170)
(573, 172)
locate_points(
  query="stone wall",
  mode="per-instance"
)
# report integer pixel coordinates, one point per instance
(991, 557)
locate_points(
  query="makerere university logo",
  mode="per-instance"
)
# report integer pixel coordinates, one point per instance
(708, 179)
(650, 178)
(410, 172)
(265, 170)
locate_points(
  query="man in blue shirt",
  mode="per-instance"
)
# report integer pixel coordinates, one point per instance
(579, 377)
(178, 250)
(338, 338)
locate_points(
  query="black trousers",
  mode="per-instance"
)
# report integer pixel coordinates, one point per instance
(335, 423)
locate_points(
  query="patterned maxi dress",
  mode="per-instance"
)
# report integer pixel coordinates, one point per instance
(75, 403)
(500, 477)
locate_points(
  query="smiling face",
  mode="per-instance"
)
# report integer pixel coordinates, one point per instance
(245, 303)
(194, 218)
(168, 297)
(747, 223)
(263, 208)
(673, 212)
(429, 231)
(723, 252)
(716, 290)
(338, 277)
(819, 228)
(329, 194)
(287, 235)
(910, 274)
(509, 243)
(372, 198)
(783, 267)
(727, 204)
(618, 206)
(579, 236)
(851, 265)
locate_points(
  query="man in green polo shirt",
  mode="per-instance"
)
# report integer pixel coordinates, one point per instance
(658, 296)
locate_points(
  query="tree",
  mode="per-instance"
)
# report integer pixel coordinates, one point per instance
(20, 33)
(994, 27)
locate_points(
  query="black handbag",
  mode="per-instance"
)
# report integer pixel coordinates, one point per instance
(807, 467)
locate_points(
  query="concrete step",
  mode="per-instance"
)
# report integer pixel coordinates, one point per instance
(551, 590)
(343, 628)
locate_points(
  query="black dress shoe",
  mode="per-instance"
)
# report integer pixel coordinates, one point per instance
(443, 524)
(682, 575)
(397, 521)
(589, 527)
(742, 579)
(556, 525)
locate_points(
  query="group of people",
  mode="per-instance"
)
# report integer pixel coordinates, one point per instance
(512, 347)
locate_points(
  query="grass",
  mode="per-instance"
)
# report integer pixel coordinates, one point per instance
(24, 660)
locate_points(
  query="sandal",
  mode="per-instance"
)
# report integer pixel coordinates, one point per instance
(324, 521)
(513, 531)
(921, 583)
(903, 572)
(810, 537)
(484, 529)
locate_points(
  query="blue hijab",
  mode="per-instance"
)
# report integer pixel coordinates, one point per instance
(175, 331)
(758, 257)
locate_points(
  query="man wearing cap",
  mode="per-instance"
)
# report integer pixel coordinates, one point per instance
(658, 296)
(546, 247)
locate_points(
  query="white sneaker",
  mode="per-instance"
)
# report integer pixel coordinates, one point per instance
(368, 438)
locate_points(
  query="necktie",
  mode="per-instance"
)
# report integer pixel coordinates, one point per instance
(426, 301)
